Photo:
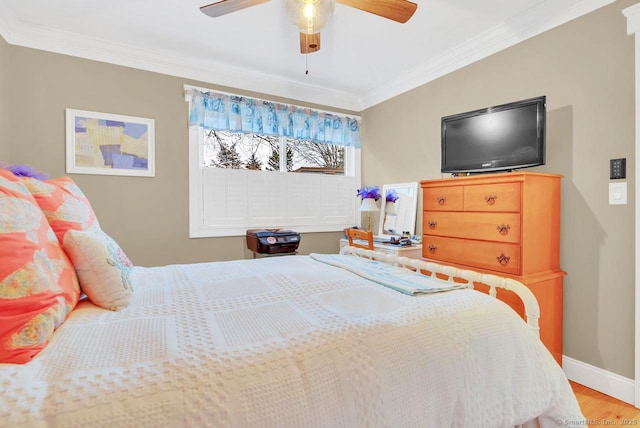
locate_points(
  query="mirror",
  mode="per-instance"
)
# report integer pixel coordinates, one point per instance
(404, 217)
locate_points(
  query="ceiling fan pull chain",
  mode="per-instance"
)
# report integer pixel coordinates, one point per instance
(306, 62)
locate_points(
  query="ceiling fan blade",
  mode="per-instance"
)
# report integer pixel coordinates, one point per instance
(309, 43)
(396, 10)
(223, 7)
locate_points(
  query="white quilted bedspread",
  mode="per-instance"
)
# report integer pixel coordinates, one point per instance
(287, 342)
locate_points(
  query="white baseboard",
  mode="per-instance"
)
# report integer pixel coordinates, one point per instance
(601, 380)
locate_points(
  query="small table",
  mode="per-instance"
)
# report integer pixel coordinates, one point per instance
(413, 251)
(260, 255)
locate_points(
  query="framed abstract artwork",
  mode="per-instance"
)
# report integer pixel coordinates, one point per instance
(109, 144)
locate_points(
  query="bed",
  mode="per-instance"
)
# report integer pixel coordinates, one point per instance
(294, 341)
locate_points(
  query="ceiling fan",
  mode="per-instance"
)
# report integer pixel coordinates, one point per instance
(310, 15)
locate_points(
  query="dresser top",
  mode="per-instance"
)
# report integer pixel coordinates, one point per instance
(500, 177)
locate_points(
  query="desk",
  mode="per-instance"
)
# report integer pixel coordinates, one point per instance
(413, 252)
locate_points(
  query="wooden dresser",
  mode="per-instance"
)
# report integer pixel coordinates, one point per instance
(506, 224)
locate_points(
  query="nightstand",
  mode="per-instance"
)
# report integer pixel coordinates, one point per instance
(413, 252)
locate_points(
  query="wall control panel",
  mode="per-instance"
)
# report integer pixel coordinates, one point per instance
(617, 168)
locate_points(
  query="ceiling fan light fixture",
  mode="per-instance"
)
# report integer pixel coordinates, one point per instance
(309, 16)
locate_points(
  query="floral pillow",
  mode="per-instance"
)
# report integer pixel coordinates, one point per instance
(38, 284)
(63, 203)
(102, 267)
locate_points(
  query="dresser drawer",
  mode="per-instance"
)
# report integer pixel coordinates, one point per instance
(492, 197)
(443, 198)
(495, 256)
(500, 227)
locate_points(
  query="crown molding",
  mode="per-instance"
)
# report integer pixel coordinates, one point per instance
(7, 21)
(29, 35)
(538, 19)
(542, 17)
(632, 13)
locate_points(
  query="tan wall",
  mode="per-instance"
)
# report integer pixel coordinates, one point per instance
(586, 70)
(148, 217)
(4, 100)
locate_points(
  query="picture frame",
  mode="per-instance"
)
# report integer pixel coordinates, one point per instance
(109, 144)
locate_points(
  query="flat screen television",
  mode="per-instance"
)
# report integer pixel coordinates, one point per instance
(501, 138)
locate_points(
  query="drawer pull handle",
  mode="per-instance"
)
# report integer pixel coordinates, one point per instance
(432, 248)
(503, 260)
(503, 229)
(432, 224)
(490, 199)
(442, 200)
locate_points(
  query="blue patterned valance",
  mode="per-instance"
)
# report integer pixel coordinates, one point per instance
(224, 112)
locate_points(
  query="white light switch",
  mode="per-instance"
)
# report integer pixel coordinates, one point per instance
(618, 193)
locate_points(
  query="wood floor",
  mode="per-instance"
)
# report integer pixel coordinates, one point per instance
(602, 410)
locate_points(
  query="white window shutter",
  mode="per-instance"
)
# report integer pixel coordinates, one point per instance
(338, 195)
(304, 199)
(266, 197)
(224, 195)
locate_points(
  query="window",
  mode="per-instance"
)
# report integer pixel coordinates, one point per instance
(249, 180)
(236, 150)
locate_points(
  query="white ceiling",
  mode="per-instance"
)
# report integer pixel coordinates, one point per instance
(363, 60)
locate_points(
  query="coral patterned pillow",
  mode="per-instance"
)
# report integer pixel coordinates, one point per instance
(102, 267)
(38, 284)
(64, 205)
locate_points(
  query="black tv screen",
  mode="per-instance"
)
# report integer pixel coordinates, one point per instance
(504, 137)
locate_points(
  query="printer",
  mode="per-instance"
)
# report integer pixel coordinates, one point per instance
(272, 241)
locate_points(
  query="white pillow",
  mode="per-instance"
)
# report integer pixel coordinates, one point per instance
(102, 267)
